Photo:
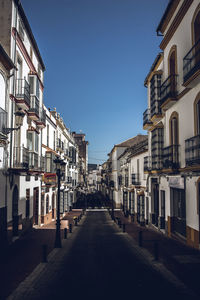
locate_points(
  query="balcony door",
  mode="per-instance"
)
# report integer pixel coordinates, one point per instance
(174, 131)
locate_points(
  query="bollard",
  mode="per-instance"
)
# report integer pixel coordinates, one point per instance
(140, 238)
(44, 253)
(70, 228)
(124, 227)
(156, 250)
(65, 233)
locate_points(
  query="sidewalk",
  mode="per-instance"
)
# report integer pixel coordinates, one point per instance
(21, 257)
(183, 261)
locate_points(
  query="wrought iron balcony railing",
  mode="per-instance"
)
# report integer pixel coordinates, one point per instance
(191, 62)
(34, 105)
(168, 89)
(146, 117)
(33, 160)
(147, 163)
(155, 108)
(136, 179)
(23, 90)
(192, 151)
(157, 162)
(42, 163)
(3, 120)
(20, 157)
(171, 157)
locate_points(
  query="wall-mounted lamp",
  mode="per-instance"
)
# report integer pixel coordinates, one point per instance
(19, 115)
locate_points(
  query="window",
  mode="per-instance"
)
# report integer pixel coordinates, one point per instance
(21, 30)
(174, 129)
(197, 115)
(33, 141)
(50, 166)
(34, 86)
(31, 53)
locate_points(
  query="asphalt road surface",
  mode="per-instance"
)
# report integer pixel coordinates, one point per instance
(102, 265)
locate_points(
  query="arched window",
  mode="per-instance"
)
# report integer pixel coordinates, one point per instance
(47, 204)
(172, 68)
(196, 33)
(197, 115)
(173, 127)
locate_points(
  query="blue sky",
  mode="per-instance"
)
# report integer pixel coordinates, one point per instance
(97, 54)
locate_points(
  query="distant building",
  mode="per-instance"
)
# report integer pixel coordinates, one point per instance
(83, 154)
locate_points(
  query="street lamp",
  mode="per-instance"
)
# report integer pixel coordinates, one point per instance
(60, 169)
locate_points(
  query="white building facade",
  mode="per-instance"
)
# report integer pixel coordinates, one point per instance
(173, 99)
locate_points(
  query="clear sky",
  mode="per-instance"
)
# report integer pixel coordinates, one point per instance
(97, 54)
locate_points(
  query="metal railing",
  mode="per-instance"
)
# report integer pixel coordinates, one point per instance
(192, 151)
(34, 105)
(155, 108)
(191, 62)
(171, 157)
(3, 120)
(42, 163)
(20, 157)
(168, 88)
(146, 117)
(23, 90)
(33, 160)
(147, 163)
(135, 179)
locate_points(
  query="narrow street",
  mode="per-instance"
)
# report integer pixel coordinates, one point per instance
(100, 264)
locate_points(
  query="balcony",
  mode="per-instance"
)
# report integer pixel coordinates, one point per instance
(171, 157)
(22, 94)
(157, 162)
(168, 92)
(135, 179)
(191, 66)
(192, 151)
(147, 124)
(147, 163)
(20, 158)
(33, 160)
(42, 164)
(3, 122)
(156, 112)
(41, 122)
(33, 111)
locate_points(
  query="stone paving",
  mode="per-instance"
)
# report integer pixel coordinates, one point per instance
(180, 259)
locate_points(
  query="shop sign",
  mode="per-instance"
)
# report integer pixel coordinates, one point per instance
(49, 178)
(176, 182)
